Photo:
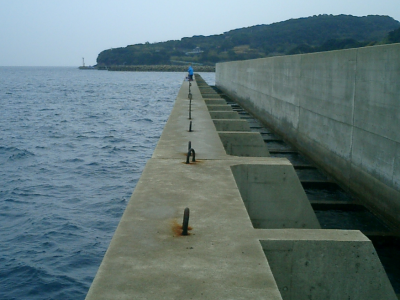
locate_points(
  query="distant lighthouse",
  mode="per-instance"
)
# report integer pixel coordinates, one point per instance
(83, 67)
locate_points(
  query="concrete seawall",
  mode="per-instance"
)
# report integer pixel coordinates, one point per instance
(342, 108)
(253, 232)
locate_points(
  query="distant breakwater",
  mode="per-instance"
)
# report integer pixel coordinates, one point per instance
(158, 68)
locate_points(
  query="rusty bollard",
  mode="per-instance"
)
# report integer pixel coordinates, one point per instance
(190, 152)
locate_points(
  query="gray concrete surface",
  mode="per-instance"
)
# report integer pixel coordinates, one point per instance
(328, 264)
(224, 115)
(222, 258)
(274, 197)
(215, 101)
(340, 107)
(231, 125)
(244, 144)
(219, 107)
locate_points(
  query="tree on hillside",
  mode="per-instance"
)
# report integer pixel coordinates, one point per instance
(394, 36)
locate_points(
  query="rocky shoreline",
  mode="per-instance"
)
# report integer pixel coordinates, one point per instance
(157, 68)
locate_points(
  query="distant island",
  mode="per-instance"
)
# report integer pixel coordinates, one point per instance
(294, 36)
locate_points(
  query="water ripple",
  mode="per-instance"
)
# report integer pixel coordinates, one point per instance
(72, 147)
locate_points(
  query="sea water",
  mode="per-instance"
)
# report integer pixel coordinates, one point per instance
(73, 144)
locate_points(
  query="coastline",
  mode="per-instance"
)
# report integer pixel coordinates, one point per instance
(157, 68)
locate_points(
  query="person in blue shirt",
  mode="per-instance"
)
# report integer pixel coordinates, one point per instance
(190, 71)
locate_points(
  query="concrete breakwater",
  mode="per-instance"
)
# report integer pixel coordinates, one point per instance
(253, 232)
(341, 108)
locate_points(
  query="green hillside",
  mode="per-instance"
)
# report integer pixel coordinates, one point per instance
(304, 35)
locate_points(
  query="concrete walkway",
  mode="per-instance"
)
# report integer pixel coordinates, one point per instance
(224, 257)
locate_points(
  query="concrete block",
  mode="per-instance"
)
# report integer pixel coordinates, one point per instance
(209, 95)
(206, 89)
(243, 144)
(223, 107)
(215, 98)
(224, 115)
(326, 265)
(231, 125)
(274, 197)
(215, 101)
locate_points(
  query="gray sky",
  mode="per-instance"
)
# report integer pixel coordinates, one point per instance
(61, 32)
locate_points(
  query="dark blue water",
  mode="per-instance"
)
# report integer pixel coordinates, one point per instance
(73, 144)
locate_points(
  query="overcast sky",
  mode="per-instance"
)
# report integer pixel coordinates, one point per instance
(61, 32)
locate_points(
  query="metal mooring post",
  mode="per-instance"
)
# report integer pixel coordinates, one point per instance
(189, 145)
(190, 108)
(191, 151)
(185, 223)
(190, 126)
